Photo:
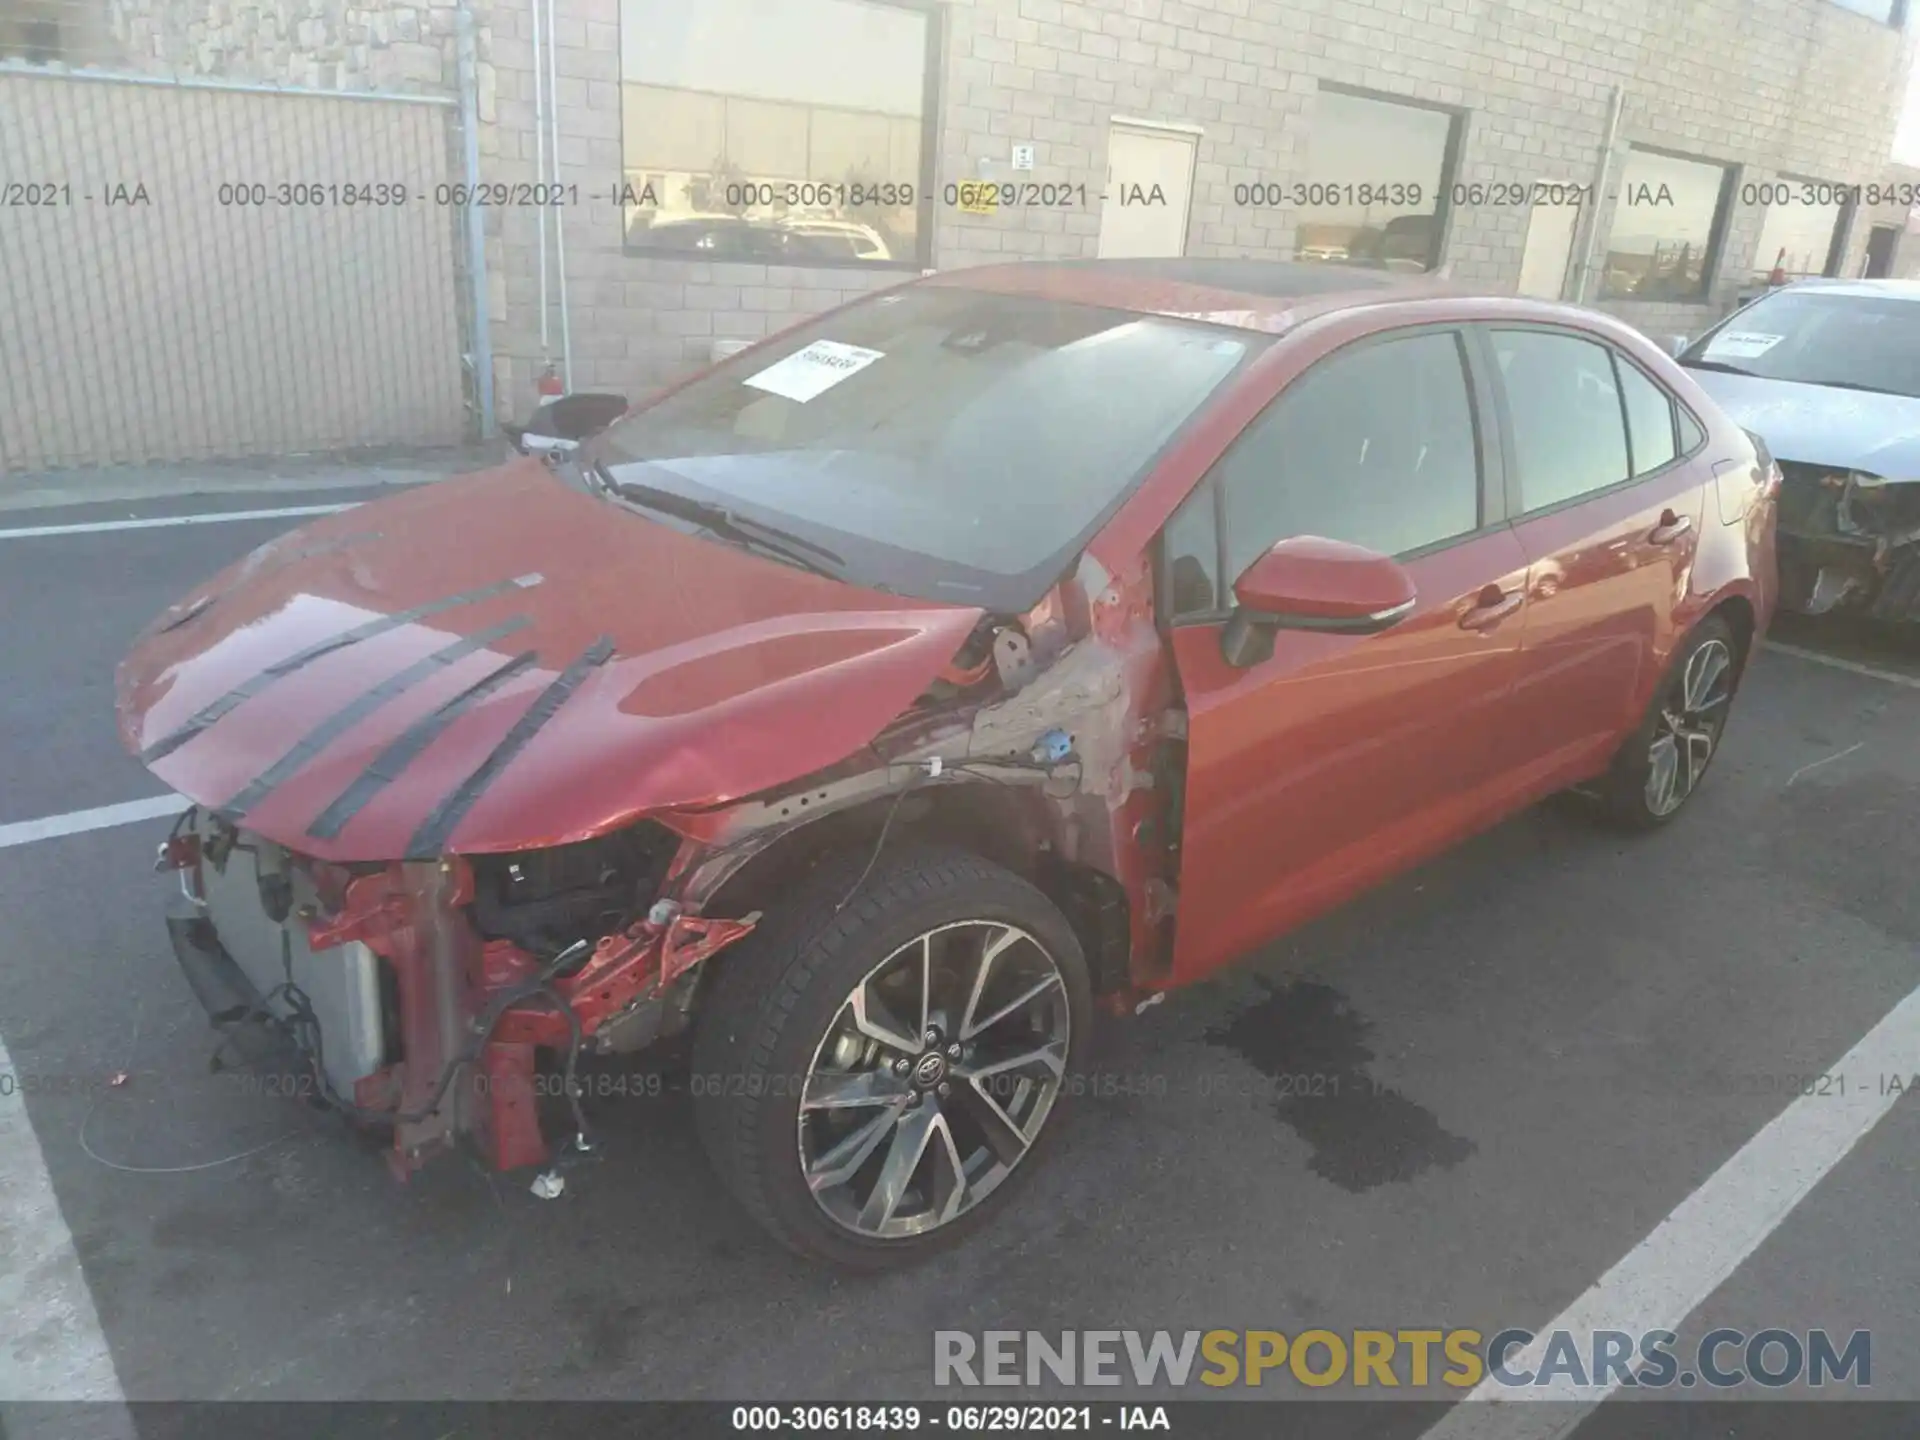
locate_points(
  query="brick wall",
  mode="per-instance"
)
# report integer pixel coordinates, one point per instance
(1800, 87)
(1796, 86)
(636, 320)
(402, 46)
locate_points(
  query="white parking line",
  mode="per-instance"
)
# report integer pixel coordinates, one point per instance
(1690, 1254)
(1834, 662)
(215, 517)
(78, 822)
(51, 1345)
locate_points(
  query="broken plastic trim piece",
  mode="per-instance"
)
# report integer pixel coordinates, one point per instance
(1830, 590)
(1899, 594)
(192, 612)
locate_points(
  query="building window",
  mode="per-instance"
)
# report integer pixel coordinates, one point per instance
(1668, 224)
(1804, 230)
(31, 30)
(1887, 12)
(778, 130)
(1376, 188)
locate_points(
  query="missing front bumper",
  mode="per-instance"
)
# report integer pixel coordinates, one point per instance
(1826, 575)
(1849, 543)
(462, 1029)
(234, 1006)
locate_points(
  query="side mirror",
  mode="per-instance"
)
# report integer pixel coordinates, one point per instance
(1677, 345)
(1307, 583)
(559, 426)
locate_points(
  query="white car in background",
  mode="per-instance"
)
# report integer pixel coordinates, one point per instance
(1827, 373)
(837, 239)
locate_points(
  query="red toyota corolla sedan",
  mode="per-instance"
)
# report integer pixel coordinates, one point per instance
(875, 705)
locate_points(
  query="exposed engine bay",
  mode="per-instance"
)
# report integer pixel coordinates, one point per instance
(1849, 542)
(549, 902)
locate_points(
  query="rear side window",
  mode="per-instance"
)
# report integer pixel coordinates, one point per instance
(1375, 446)
(1649, 419)
(1569, 434)
(1692, 437)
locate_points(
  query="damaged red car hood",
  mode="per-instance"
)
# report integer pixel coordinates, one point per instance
(503, 662)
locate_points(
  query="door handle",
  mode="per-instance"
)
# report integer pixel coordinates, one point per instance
(1670, 528)
(1491, 607)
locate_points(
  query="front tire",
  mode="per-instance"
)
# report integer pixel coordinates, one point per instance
(1663, 763)
(873, 1076)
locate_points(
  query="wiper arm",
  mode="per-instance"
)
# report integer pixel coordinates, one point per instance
(721, 520)
(1719, 365)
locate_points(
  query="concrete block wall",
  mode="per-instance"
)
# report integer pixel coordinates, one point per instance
(636, 321)
(401, 46)
(1796, 87)
(1801, 87)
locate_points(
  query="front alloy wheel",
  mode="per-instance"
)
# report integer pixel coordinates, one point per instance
(934, 1079)
(928, 1026)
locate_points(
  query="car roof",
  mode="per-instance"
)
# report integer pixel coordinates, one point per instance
(837, 227)
(1882, 289)
(1266, 295)
(704, 222)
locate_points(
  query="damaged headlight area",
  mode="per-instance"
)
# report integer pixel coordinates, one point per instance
(418, 996)
(1850, 542)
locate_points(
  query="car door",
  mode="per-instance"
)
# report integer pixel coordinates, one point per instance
(1608, 510)
(1341, 758)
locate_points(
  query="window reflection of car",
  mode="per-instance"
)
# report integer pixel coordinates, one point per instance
(837, 239)
(1404, 243)
(1827, 372)
(731, 237)
(1667, 285)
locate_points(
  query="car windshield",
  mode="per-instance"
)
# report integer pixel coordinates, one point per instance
(1864, 342)
(940, 442)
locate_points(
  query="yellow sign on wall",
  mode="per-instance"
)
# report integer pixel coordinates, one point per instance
(978, 197)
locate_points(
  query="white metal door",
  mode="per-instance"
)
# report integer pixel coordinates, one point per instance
(1149, 191)
(1549, 248)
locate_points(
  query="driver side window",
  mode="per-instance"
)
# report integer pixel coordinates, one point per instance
(1376, 445)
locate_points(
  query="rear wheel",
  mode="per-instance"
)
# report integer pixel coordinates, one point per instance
(872, 1076)
(1664, 762)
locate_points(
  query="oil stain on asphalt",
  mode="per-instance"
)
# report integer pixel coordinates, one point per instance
(1311, 1046)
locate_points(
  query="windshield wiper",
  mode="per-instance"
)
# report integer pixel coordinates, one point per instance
(720, 520)
(1719, 365)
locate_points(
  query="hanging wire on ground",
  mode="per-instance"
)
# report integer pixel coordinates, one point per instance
(133, 1049)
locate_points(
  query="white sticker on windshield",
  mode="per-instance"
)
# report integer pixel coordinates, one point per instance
(814, 370)
(1741, 345)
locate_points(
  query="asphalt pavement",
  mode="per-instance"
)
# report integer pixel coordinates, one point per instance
(1551, 1039)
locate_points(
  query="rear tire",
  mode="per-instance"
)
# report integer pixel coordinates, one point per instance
(868, 1079)
(1663, 763)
